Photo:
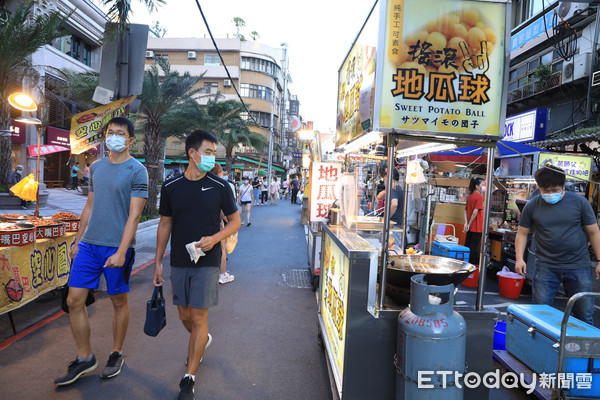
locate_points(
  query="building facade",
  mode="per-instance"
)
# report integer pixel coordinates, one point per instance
(257, 70)
(552, 58)
(78, 50)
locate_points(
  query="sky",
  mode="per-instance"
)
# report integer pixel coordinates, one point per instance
(319, 34)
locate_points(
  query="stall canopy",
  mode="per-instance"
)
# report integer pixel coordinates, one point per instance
(472, 154)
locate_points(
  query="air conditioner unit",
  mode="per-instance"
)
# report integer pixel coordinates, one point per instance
(149, 54)
(191, 55)
(566, 9)
(227, 82)
(578, 67)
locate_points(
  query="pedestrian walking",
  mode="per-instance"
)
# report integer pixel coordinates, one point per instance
(274, 191)
(104, 245)
(562, 222)
(256, 191)
(264, 191)
(295, 185)
(474, 219)
(14, 178)
(74, 178)
(285, 185)
(86, 174)
(190, 212)
(224, 276)
(246, 199)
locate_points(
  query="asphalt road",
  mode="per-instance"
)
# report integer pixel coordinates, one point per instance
(264, 331)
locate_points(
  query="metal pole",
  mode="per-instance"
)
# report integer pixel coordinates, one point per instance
(37, 195)
(386, 221)
(588, 114)
(404, 211)
(486, 225)
(270, 145)
(283, 117)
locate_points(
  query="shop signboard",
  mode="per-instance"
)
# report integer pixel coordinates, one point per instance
(57, 136)
(87, 128)
(18, 131)
(443, 70)
(325, 186)
(576, 167)
(27, 272)
(526, 127)
(334, 301)
(356, 83)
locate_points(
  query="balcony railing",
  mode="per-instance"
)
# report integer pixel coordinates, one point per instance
(535, 87)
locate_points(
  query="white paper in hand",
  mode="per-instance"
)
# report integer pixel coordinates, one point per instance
(194, 252)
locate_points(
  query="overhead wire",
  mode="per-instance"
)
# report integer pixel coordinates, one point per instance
(223, 62)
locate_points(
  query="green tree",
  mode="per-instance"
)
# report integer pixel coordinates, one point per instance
(21, 35)
(161, 95)
(119, 10)
(239, 24)
(226, 119)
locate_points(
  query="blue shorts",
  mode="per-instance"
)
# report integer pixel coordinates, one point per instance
(88, 265)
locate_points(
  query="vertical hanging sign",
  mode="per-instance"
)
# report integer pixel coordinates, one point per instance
(325, 183)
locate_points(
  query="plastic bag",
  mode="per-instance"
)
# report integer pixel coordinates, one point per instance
(507, 273)
(26, 188)
(230, 243)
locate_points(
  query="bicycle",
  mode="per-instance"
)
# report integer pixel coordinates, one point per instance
(80, 182)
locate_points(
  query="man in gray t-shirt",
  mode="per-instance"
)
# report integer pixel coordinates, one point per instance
(563, 223)
(104, 245)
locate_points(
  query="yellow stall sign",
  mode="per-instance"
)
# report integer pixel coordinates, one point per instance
(27, 272)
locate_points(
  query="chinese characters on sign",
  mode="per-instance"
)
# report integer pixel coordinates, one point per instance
(325, 182)
(575, 166)
(443, 69)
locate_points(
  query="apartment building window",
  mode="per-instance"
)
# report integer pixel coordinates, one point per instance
(523, 74)
(211, 59)
(522, 10)
(260, 65)
(256, 91)
(211, 87)
(262, 118)
(164, 57)
(75, 47)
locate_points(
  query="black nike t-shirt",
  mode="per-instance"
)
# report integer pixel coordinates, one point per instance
(195, 208)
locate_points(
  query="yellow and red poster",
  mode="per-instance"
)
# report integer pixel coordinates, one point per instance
(87, 128)
(356, 84)
(334, 300)
(27, 272)
(444, 66)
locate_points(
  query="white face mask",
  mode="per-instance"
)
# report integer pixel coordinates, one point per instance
(246, 182)
(116, 143)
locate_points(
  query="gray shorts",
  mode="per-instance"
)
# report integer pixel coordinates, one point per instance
(195, 287)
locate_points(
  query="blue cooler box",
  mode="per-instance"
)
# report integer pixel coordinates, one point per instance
(532, 334)
(450, 250)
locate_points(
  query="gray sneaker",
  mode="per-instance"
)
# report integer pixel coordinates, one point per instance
(75, 370)
(113, 366)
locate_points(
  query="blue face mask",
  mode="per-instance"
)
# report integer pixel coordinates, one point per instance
(116, 143)
(552, 198)
(207, 163)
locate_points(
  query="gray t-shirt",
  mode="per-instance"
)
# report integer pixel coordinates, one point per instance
(113, 185)
(559, 237)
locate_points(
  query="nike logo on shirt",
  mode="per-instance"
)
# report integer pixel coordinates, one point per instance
(204, 189)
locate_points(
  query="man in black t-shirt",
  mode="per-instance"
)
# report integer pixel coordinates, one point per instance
(190, 210)
(295, 185)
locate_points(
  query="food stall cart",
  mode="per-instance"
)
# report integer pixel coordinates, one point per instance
(394, 91)
(34, 257)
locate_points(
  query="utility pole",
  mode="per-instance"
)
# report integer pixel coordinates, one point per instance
(592, 67)
(271, 140)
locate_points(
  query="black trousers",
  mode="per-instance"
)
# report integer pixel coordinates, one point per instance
(264, 196)
(472, 241)
(294, 194)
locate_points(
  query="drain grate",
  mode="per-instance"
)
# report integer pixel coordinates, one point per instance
(296, 278)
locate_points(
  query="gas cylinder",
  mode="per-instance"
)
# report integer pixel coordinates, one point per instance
(431, 344)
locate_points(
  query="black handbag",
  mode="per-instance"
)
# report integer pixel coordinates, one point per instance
(88, 301)
(156, 315)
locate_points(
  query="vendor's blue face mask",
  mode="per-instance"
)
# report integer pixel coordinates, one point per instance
(552, 198)
(206, 162)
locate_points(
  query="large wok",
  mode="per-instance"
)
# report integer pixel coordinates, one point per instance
(437, 270)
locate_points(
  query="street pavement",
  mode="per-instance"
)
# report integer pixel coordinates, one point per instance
(264, 328)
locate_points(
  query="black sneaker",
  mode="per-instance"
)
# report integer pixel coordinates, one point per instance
(76, 369)
(186, 389)
(113, 366)
(248, 224)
